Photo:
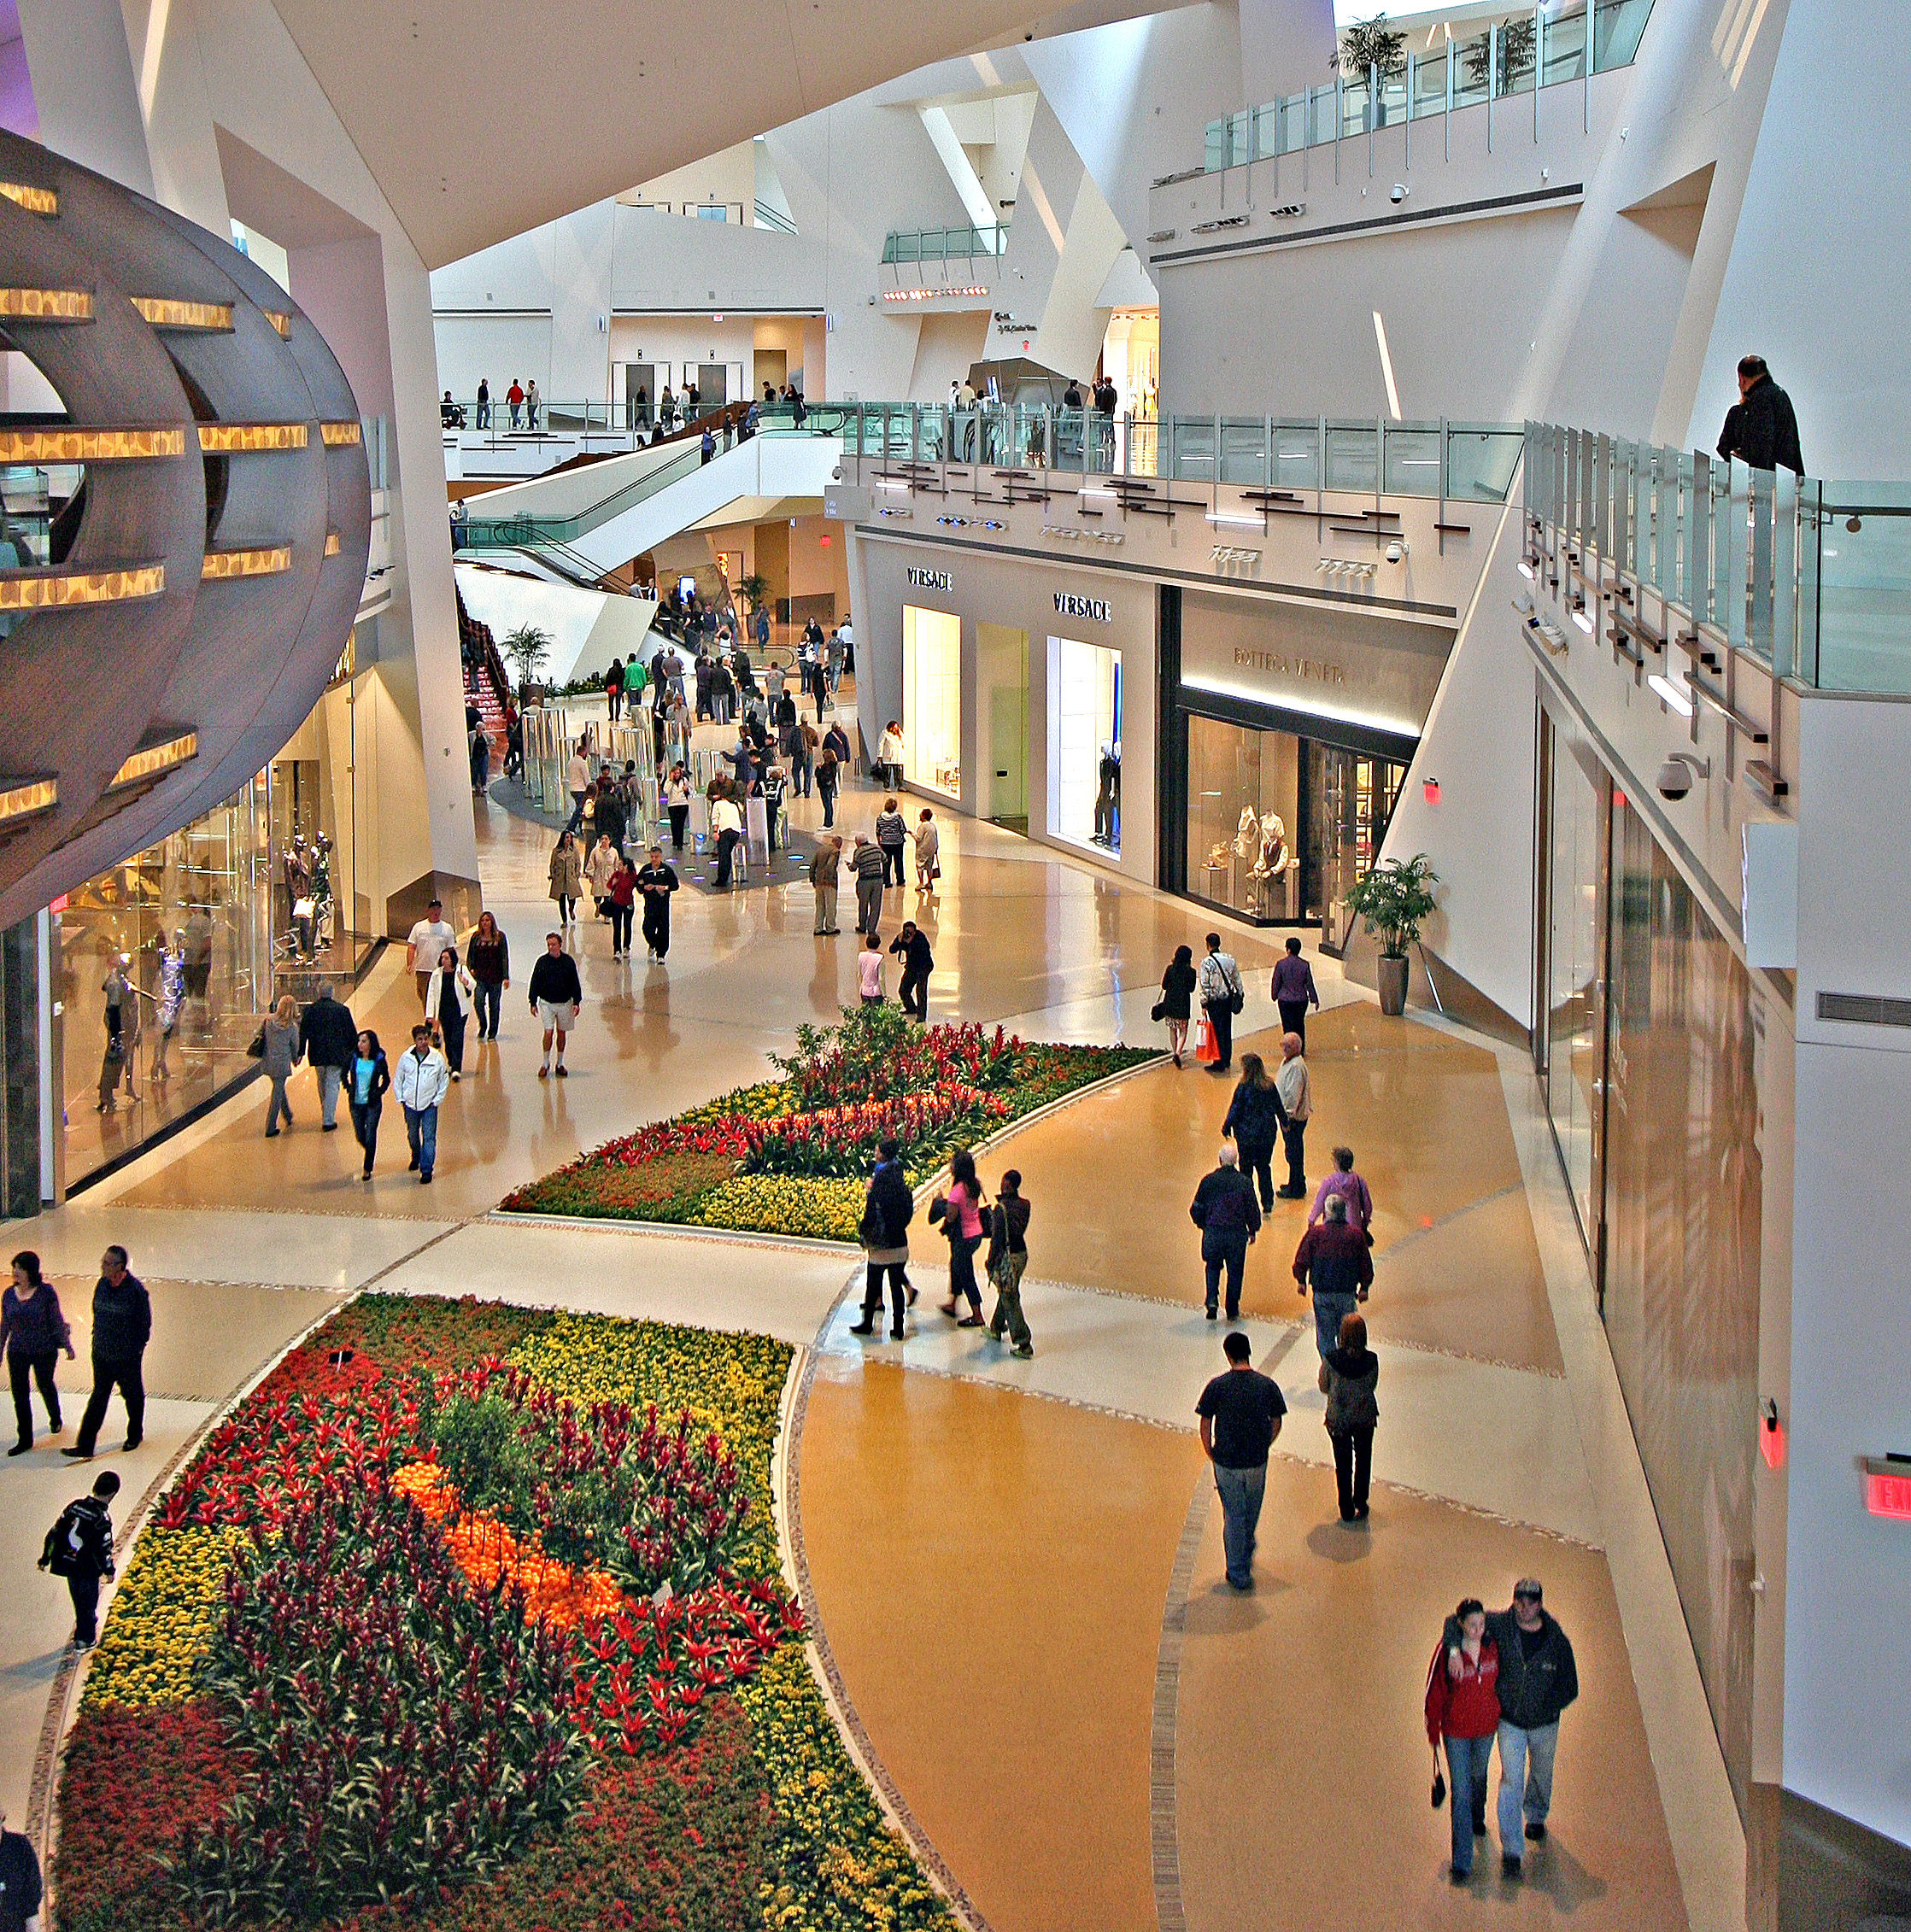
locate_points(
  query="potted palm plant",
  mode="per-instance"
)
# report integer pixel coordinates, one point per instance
(1393, 900)
(527, 647)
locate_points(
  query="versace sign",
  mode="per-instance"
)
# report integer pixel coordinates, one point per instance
(927, 580)
(1094, 609)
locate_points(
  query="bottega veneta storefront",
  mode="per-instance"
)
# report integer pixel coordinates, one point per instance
(1288, 729)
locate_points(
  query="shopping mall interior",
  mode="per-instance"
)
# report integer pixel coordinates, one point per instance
(1183, 791)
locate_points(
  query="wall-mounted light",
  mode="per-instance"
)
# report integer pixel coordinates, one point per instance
(1236, 520)
(1525, 570)
(1671, 693)
(1580, 616)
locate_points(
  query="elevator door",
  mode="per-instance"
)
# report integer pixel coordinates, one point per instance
(639, 375)
(713, 385)
(1002, 676)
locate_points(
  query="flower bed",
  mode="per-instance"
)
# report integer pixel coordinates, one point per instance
(472, 1617)
(792, 1155)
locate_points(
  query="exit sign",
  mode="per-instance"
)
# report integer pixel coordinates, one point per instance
(1888, 1486)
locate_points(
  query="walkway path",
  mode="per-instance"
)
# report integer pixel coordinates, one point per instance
(997, 1546)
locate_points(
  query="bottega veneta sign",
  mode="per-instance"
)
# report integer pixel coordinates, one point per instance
(1310, 670)
(927, 580)
(1094, 609)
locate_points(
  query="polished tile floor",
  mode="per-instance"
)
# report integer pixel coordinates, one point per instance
(1000, 1549)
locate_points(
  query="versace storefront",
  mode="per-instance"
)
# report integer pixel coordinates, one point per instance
(1288, 725)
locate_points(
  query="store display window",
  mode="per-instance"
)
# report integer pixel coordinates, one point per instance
(932, 699)
(1085, 743)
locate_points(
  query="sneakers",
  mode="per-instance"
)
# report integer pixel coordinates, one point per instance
(1023, 1352)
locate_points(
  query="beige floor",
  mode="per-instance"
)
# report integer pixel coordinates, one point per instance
(1456, 1266)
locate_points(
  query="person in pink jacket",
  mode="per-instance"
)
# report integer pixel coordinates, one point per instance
(962, 1222)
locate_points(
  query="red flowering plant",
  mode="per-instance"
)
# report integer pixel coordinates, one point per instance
(839, 1143)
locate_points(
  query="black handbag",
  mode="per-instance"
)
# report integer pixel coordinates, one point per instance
(257, 1049)
(1159, 1010)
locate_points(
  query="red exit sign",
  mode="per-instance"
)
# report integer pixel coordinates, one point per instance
(1887, 1487)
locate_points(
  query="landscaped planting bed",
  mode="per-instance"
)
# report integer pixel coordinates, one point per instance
(791, 1156)
(471, 1616)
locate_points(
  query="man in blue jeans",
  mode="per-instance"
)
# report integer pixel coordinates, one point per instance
(1240, 1411)
(421, 1082)
(1334, 1260)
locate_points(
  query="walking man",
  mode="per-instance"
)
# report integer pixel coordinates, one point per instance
(912, 945)
(867, 865)
(1222, 998)
(556, 993)
(20, 1881)
(425, 947)
(1229, 1217)
(79, 1547)
(421, 1082)
(122, 1325)
(1297, 1103)
(1761, 429)
(657, 882)
(1334, 1260)
(1294, 991)
(1240, 1411)
(1341, 1180)
(825, 868)
(328, 1038)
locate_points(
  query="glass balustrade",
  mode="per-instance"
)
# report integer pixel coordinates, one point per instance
(1499, 58)
(908, 247)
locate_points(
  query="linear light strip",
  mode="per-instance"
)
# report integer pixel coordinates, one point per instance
(342, 435)
(21, 798)
(221, 564)
(89, 446)
(168, 312)
(47, 305)
(238, 439)
(35, 200)
(48, 590)
(150, 760)
(280, 321)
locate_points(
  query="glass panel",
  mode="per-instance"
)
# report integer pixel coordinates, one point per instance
(1472, 60)
(1296, 455)
(1085, 740)
(1617, 26)
(1480, 463)
(1243, 802)
(1192, 447)
(1413, 460)
(1863, 592)
(1349, 799)
(1243, 442)
(1353, 457)
(1683, 1191)
(1564, 56)
(932, 699)
(1429, 83)
(1573, 971)
(1214, 152)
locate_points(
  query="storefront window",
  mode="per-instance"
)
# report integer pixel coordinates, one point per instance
(1575, 830)
(1279, 827)
(932, 699)
(1085, 743)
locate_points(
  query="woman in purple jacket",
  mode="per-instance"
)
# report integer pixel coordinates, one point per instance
(1294, 991)
(34, 1331)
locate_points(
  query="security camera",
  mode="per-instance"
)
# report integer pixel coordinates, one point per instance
(1395, 551)
(1399, 192)
(1677, 773)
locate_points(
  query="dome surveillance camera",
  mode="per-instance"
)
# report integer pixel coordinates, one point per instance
(1399, 192)
(1677, 773)
(1395, 551)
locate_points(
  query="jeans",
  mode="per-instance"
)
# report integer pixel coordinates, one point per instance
(1295, 1135)
(40, 1368)
(726, 847)
(1241, 1491)
(1221, 1017)
(872, 1293)
(1255, 1158)
(278, 1105)
(1466, 1759)
(656, 926)
(85, 1594)
(1353, 1468)
(828, 794)
(1006, 1277)
(892, 865)
(365, 1129)
(1328, 1311)
(421, 1129)
(485, 1004)
(577, 811)
(680, 816)
(107, 1374)
(1232, 1251)
(621, 917)
(328, 1093)
(452, 1026)
(1526, 1777)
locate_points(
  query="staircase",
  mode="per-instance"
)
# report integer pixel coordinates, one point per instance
(485, 684)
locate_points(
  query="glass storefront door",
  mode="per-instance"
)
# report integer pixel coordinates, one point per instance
(1085, 743)
(1002, 701)
(932, 699)
(1279, 826)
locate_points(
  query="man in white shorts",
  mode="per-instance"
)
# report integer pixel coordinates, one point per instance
(556, 993)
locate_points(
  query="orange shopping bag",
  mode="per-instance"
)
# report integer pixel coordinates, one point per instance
(1205, 1050)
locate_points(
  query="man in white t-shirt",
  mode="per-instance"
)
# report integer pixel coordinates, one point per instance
(426, 945)
(726, 830)
(577, 782)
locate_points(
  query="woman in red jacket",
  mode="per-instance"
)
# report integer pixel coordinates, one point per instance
(1462, 1709)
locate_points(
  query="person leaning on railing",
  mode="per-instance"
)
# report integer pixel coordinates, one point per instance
(1761, 429)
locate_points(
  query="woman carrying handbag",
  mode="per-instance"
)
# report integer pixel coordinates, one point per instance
(1462, 1713)
(443, 1007)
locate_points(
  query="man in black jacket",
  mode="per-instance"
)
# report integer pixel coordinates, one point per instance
(122, 1325)
(328, 1038)
(656, 881)
(1761, 429)
(79, 1547)
(20, 1880)
(1229, 1217)
(885, 1237)
(912, 946)
(1538, 1679)
(556, 993)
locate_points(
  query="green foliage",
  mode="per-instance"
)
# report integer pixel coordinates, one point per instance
(1394, 899)
(527, 647)
(1515, 54)
(1371, 43)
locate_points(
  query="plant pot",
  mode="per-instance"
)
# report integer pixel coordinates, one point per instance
(1393, 982)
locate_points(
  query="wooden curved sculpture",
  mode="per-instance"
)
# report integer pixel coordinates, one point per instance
(204, 580)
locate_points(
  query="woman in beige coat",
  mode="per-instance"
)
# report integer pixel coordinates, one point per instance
(567, 878)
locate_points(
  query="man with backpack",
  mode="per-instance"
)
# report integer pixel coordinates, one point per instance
(79, 1547)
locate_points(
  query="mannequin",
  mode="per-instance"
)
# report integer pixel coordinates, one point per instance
(1108, 800)
(1247, 834)
(1274, 862)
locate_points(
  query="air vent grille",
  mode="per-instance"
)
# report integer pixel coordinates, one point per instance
(1864, 1010)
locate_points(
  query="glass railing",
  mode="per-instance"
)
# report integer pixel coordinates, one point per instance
(1460, 461)
(909, 246)
(1811, 577)
(561, 418)
(1502, 58)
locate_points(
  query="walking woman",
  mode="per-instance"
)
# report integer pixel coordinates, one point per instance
(962, 1222)
(34, 1331)
(1177, 992)
(567, 878)
(929, 851)
(443, 1005)
(1007, 1256)
(489, 959)
(369, 1080)
(676, 803)
(620, 892)
(279, 1042)
(1255, 1120)
(1463, 1712)
(1348, 1375)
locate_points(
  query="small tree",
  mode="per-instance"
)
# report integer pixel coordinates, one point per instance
(527, 647)
(1515, 54)
(1371, 43)
(754, 590)
(1393, 900)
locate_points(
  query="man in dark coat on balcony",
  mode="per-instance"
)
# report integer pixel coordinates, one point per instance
(1760, 429)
